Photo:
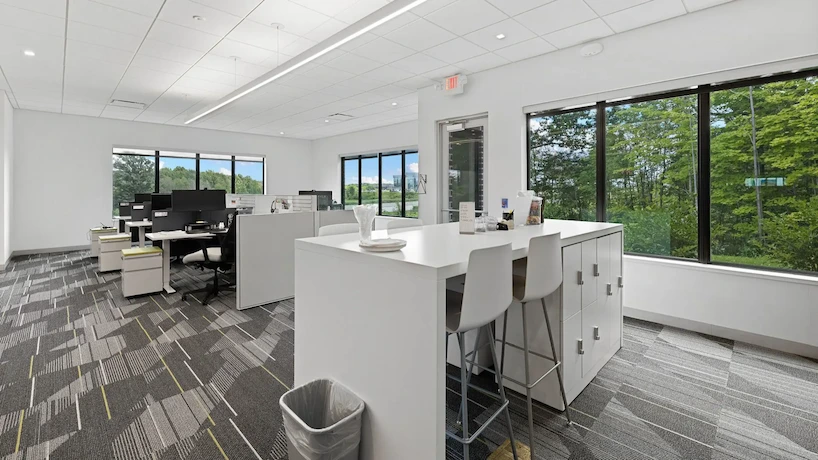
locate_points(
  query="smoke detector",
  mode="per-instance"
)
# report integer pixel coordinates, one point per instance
(591, 49)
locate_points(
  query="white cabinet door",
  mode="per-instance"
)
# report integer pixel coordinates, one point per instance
(571, 289)
(571, 359)
(595, 326)
(589, 281)
(615, 299)
(603, 261)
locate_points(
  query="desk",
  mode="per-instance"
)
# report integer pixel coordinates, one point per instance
(141, 224)
(166, 238)
(375, 322)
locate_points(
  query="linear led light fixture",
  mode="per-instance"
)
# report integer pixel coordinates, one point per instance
(398, 10)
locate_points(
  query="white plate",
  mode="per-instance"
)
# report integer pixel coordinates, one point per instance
(383, 245)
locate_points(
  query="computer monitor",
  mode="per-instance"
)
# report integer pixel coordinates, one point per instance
(198, 200)
(161, 201)
(142, 197)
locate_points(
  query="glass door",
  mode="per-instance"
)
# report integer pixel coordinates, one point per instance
(462, 153)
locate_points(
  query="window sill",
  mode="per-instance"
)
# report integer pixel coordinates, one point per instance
(727, 270)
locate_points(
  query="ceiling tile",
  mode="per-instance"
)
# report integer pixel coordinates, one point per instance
(225, 78)
(420, 35)
(358, 42)
(515, 7)
(383, 51)
(464, 16)
(418, 64)
(325, 30)
(443, 72)
(123, 113)
(579, 33)
(455, 50)
(153, 116)
(296, 18)
(389, 74)
(28, 20)
(49, 7)
(261, 35)
(170, 52)
(430, 6)
(181, 12)
(297, 47)
(340, 90)
(40, 106)
(696, 5)
(105, 37)
(225, 64)
(487, 37)
(353, 63)
(162, 65)
(78, 110)
(248, 53)
(647, 13)
(482, 62)
(147, 8)
(182, 36)
(328, 8)
(204, 85)
(100, 53)
(235, 7)
(360, 10)
(416, 82)
(107, 16)
(526, 49)
(13, 42)
(603, 7)
(326, 76)
(556, 15)
(395, 23)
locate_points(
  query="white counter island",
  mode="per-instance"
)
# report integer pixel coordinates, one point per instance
(375, 322)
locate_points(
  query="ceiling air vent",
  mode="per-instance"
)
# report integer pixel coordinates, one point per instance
(340, 117)
(127, 104)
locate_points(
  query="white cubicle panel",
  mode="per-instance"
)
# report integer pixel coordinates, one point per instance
(265, 255)
(262, 204)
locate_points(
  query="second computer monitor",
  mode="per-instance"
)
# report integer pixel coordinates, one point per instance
(198, 200)
(142, 197)
(161, 201)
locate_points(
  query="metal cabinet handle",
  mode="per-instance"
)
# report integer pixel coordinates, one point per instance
(579, 278)
(596, 333)
(581, 348)
(610, 289)
(596, 269)
(621, 283)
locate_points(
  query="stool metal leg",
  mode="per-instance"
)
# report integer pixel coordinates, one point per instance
(503, 399)
(529, 404)
(464, 388)
(503, 342)
(557, 363)
(471, 364)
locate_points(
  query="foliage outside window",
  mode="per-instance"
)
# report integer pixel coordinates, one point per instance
(762, 199)
(177, 171)
(249, 176)
(387, 180)
(133, 172)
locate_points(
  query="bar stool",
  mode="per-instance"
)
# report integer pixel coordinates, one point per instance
(485, 296)
(543, 277)
(337, 229)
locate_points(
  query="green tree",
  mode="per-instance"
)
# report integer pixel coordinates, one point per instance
(132, 174)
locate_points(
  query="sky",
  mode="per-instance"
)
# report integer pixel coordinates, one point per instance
(254, 170)
(369, 169)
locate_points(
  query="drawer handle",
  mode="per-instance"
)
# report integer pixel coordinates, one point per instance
(610, 289)
(581, 348)
(596, 333)
(596, 269)
(579, 278)
(621, 283)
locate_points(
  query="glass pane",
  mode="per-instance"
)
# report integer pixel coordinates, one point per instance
(651, 155)
(764, 179)
(250, 177)
(350, 183)
(214, 175)
(177, 174)
(369, 180)
(465, 169)
(132, 174)
(562, 164)
(411, 185)
(391, 184)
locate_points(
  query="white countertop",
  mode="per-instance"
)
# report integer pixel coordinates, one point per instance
(444, 250)
(139, 223)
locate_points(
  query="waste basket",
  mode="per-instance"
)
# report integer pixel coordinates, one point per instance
(322, 420)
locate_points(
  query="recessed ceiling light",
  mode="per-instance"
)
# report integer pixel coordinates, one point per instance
(28, 53)
(326, 121)
(282, 133)
(394, 104)
(500, 36)
(200, 18)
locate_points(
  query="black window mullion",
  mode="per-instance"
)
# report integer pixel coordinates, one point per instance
(197, 171)
(403, 184)
(703, 190)
(601, 193)
(343, 183)
(233, 174)
(360, 163)
(156, 172)
(380, 184)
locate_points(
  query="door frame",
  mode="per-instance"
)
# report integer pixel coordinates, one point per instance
(443, 163)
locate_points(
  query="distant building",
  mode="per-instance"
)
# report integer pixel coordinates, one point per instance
(411, 181)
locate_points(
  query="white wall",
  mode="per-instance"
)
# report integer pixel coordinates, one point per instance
(6, 178)
(63, 179)
(740, 39)
(326, 152)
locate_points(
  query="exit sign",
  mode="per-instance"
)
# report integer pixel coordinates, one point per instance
(454, 84)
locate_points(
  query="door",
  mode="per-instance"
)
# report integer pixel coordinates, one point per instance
(462, 154)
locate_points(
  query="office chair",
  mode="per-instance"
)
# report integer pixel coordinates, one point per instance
(218, 258)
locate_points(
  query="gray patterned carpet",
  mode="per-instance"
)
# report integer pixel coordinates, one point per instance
(86, 373)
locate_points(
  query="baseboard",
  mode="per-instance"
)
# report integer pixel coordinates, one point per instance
(787, 346)
(28, 252)
(6, 263)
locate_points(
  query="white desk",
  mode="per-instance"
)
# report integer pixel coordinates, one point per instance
(375, 322)
(141, 224)
(166, 238)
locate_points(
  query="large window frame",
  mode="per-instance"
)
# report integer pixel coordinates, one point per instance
(232, 158)
(380, 156)
(703, 157)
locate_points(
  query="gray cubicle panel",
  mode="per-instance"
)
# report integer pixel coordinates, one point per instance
(265, 256)
(139, 211)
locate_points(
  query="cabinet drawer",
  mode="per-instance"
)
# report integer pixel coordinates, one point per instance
(571, 359)
(141, 282)
(142, 263)
(595, 334)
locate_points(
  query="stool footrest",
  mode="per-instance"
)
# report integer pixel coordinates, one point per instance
(532, 385)
(474, 387)
(480, 430)
(529, 351)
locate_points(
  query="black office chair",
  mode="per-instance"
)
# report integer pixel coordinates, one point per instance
(220, 258)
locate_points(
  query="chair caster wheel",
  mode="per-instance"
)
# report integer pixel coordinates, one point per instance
(184, 296)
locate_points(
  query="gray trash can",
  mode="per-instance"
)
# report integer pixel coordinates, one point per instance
(322, 420)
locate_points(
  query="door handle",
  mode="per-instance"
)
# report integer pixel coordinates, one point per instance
(621, 283)
(580, 281)
(596, 333)
(610, 289)
(581, 348)
(596, 269)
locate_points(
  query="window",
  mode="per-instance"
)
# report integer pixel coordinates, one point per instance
(215, 173)
(724, 173)
(562, 163)
(177, 171)
(249, 176)
(388, 180)
(134, 171)
(764, 174)
(650, 158)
